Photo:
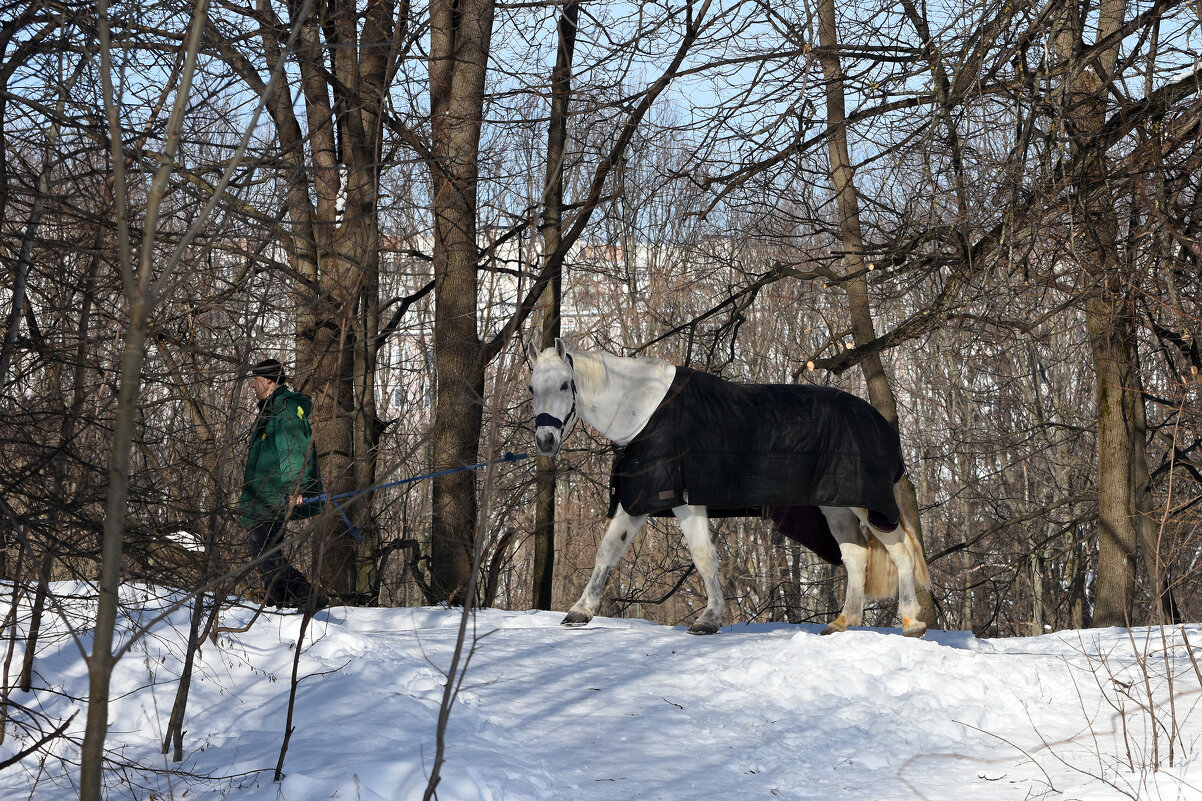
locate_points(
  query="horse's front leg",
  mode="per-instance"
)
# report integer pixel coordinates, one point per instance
(695, 525)
(621, 531)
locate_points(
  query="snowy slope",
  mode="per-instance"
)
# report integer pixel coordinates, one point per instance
(626, 709)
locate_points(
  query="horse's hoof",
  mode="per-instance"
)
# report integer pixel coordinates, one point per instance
(575, 620)
(703, 628)
(913, 628)
(837, 625)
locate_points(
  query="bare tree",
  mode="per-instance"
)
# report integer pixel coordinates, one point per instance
(142, 288)
(460, 37)
(329, 165)
(552, 300)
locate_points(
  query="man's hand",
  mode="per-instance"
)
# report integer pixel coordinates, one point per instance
(296, 500)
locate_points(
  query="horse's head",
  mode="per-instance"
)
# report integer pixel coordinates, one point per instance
(553, 384)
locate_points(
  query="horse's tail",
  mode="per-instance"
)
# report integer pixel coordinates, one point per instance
(880, 574)
(922, 578)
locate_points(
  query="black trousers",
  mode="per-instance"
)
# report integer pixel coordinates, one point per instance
(285, 585)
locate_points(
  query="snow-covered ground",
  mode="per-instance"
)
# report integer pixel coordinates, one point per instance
(625, 709)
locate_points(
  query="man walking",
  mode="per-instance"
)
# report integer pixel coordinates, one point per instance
(281, 470)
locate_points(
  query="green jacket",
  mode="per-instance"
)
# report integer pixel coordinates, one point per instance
(280, 461)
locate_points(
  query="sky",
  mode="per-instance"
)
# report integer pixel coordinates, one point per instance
(620, 709)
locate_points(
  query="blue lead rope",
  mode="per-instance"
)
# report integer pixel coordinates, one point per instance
(354, 530)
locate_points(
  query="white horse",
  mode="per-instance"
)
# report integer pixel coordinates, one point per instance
(617, 396)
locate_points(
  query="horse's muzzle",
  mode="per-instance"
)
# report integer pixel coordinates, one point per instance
(547, 440)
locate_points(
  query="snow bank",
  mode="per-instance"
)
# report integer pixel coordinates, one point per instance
(624, 709)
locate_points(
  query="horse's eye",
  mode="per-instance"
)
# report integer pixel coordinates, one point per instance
(563, 387)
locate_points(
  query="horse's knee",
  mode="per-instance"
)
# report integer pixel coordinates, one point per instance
(854, 555)
(705, 560)
(622, 529)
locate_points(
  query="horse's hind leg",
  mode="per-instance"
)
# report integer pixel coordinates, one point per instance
(845, 527)
(621, 531)
(695, 525)
(896, 544)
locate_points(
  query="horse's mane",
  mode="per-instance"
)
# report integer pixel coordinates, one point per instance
(593, 367)
(590, 370)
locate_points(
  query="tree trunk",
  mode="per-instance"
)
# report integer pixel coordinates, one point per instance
(880, 392)
(1117, 535)
(101, 660)
(552, 229)
(460, 36)
(1108, 317)
(138, 284)
(345, 58)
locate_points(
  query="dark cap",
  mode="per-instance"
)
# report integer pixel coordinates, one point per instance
(269, 369)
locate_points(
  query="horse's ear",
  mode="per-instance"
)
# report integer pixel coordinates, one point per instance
(561, 348)
(531, 352)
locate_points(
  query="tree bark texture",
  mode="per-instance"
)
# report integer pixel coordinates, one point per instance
(460, 37)
(551, 300)
(1109, 317)
(880, 391)
(140, 300)
(345, 57)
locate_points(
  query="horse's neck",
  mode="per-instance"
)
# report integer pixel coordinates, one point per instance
(617, 395)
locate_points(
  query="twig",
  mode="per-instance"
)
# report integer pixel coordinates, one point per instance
(1189, 650)
(11, 619)
(288, 727)
(35, 622)
(1141, 660)
(15, 758)
(1018, 748)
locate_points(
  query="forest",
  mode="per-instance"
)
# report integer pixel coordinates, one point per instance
(984, 218)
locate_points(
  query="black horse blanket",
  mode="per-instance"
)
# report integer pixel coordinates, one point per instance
(756, 449)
